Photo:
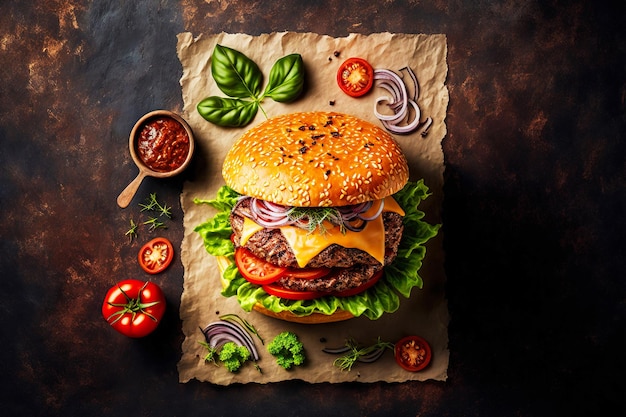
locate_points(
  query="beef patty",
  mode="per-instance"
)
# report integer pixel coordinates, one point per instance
(353, 267)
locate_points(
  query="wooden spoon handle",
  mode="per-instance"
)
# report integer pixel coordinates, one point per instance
(125, 197)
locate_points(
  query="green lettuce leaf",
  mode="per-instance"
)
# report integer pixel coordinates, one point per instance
(401, 276)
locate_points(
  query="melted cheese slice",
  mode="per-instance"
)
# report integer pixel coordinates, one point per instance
(307, 245)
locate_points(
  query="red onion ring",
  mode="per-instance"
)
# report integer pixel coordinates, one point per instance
(392, 83)
(375, 215)
(220, 332)
(406, 128)
(416, 86)
(403, 121)
(271, 215)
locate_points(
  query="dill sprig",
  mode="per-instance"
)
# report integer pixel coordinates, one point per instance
(312, 218)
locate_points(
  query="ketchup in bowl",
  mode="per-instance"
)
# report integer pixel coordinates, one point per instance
(163, 144)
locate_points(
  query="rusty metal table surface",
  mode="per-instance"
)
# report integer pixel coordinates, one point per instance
(533, 213)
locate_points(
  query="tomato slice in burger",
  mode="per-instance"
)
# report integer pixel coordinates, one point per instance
(361, 288)
(291, 294)
(307, 273)
(256, 270)
(156, 255)
(355, 77)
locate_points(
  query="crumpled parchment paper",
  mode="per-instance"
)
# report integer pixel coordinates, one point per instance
(425, 313)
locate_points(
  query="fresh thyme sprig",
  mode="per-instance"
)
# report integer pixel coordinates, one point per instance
(362, 354)
(152, 204)
(132, 232)
(154, 223)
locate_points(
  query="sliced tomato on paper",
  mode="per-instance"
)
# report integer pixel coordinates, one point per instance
(156, 255)
(355, 77)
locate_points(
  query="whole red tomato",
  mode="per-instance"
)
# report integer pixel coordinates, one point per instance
(134, 308)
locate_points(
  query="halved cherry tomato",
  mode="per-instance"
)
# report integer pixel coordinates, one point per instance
(355, 77)
(156, 255)
(134, 308)
(360, 288)
(412, 353)
(292, 294)
(307, 273)
(256, 270)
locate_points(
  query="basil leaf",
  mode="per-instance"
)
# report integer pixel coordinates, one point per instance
(228, 112)
(286, 79)
(236, 75)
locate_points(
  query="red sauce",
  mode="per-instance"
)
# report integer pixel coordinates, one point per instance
(163, 144)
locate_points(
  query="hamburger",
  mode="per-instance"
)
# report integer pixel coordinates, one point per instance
(314, 218)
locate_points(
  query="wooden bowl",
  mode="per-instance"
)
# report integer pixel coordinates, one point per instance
(125, 197)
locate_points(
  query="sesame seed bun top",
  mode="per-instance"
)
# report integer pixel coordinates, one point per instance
(316, 159)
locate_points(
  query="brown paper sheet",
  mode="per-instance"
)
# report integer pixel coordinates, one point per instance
(425, 313)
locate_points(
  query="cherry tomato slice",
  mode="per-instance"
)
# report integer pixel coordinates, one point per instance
(307, 273)
(156, 255)
(256, 270)
(355, 77)
(361, 288)
(291, 294)
(412, 353)
(134, 308)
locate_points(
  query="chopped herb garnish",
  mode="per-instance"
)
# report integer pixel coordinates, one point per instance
(154, 223)
(152, 204)
(132, 232)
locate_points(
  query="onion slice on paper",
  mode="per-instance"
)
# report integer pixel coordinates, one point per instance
(221, 332)
(406, 112)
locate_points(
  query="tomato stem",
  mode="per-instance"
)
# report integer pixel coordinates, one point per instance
(132, 306)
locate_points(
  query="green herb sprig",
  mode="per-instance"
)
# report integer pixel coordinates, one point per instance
(312, 218)
(356, 353)
(132, 231)
(212, 353)
(245, 323)
(153, 204)
(154, 223)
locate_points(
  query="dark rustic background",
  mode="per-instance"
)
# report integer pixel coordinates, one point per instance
(533, 212)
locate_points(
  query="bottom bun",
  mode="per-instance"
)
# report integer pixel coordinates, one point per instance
(314, 318)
